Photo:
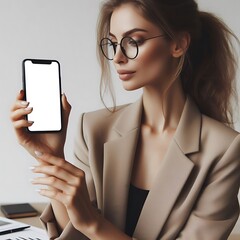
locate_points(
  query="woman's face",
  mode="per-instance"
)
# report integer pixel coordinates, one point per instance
(154, 63)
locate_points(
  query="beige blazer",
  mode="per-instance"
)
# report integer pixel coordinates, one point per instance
(194, 196)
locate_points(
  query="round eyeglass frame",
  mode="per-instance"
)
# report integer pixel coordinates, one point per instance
(115, 44)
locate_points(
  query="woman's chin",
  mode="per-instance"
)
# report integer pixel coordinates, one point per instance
(130, 86)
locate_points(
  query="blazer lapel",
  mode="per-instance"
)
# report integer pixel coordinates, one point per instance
(118, 161)
(172, 176)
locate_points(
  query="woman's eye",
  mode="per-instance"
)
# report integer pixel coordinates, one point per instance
(113, 44)
(139, 41)
(133, 42)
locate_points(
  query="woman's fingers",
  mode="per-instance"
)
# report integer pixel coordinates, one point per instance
(21, 94)
(20, 113)
(18, 118)
(66, 105)
(22, 124)
(64, 183)
(57, 195)
(53, 194)
(20, 102)
(19, 110)
(66, 110)
(60, 174)
(55, 184)
(56, 172)
(59, 163)
(59, 168)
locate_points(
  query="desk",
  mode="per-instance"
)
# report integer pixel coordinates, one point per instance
(34, 221)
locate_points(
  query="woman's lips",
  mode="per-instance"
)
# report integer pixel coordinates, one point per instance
(125, 75)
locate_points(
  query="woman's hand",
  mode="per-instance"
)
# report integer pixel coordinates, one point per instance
(66, 184)
(46, 142)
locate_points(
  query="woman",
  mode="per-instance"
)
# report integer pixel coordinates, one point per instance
(165, 167)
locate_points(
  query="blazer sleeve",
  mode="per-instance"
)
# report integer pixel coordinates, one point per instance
(81, 161)
(217, 208)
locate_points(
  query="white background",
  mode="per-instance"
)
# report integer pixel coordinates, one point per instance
(63, 30)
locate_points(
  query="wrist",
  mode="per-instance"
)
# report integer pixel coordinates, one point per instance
(95, 226)
(102, 229)
(57, 152)
(60, 154)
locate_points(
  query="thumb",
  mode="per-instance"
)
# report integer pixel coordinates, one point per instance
(66, 108)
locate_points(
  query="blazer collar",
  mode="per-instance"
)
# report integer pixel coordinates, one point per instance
(129, 119)
(189, 126)
(188, 132)
(119, 156)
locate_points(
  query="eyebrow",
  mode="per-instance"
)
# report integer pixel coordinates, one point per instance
(130, 32)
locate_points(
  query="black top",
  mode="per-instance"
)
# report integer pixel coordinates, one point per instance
(136, 199)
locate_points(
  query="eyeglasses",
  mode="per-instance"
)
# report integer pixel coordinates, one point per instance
(128, 45)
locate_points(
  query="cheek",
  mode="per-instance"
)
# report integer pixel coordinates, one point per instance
(155, 62)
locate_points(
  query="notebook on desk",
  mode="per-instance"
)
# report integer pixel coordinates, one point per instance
(19, 210)
(14, 230)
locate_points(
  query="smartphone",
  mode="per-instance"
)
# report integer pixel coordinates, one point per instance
(42, 86)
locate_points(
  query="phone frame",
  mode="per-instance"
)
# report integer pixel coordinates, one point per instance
(42, 61)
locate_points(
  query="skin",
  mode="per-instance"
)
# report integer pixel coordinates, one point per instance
(152, 70)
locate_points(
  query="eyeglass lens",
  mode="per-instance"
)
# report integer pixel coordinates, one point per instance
(128, 46)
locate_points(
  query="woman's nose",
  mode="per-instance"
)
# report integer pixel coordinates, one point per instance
(119, 56)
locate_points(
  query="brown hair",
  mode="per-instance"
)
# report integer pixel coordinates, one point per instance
(208, 68)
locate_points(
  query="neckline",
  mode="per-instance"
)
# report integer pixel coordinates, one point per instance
(138, 189)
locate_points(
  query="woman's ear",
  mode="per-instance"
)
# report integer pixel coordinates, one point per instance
(180, 46)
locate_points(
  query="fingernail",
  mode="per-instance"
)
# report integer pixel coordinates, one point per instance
(31, 122)
(38, 154)
(64, 95)
(31, 168)
(24, 103)
(38, 190)
(28, 109)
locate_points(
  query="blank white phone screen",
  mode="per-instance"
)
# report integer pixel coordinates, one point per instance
(42, 86)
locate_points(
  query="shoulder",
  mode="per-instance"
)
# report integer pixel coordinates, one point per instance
(103, 118)
(124, 118)
(197, 132)
(208, 138)
(217, 132)
(103, 125)
(220, 145)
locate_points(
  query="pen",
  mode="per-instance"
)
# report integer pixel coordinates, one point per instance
(13, 230)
